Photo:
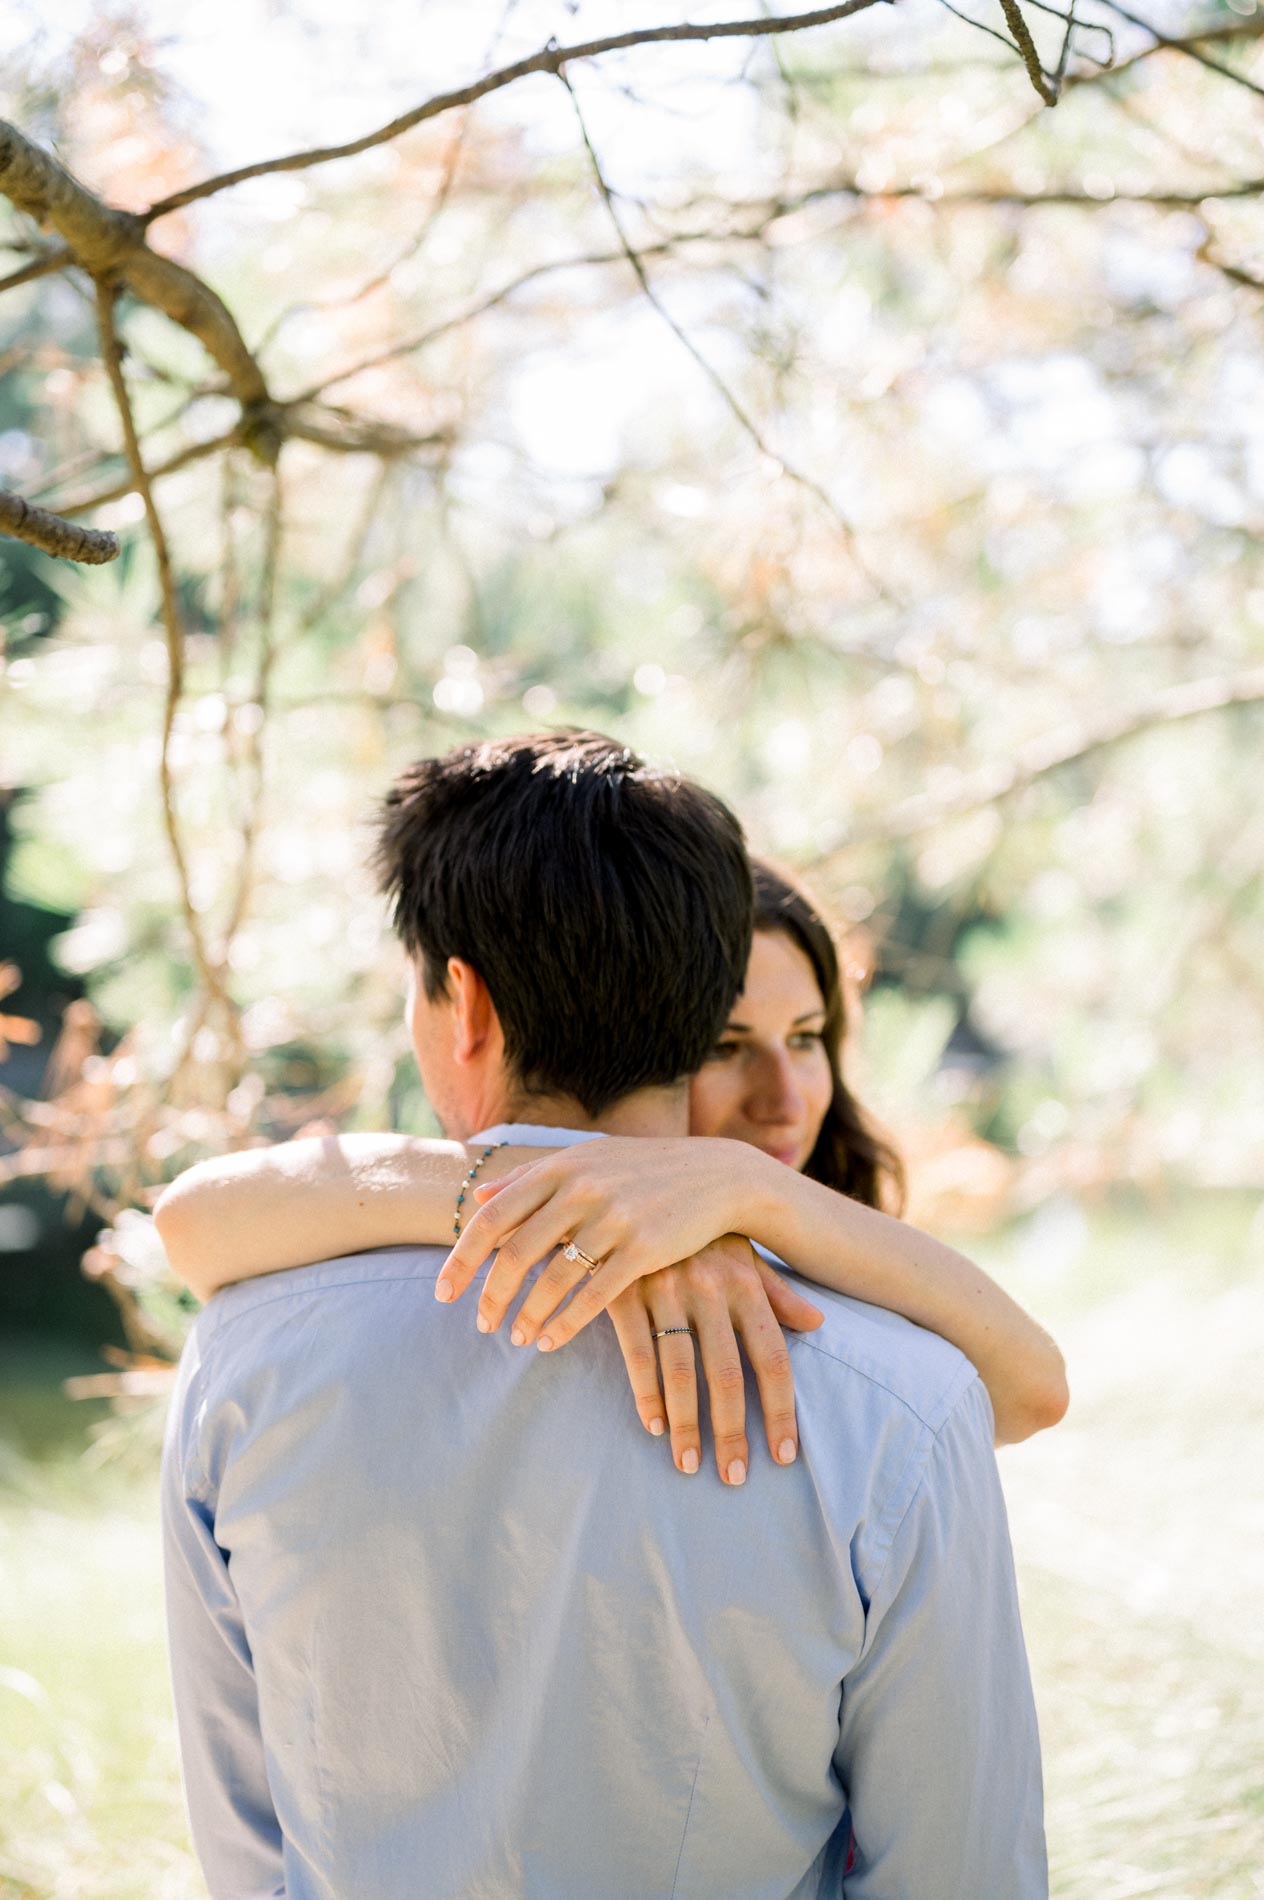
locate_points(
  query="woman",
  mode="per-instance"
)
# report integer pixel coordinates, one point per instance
(792, 1161)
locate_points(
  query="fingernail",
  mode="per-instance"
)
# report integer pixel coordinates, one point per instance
(443, 1289)
(786, 1451)
(689, 1461)
(483, 1323)
(518, 1336)
(737, 1472)
(656, 1427)
(544, 1343)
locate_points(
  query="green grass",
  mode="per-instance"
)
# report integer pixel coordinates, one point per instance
(89, 1792)
(1138, 1527)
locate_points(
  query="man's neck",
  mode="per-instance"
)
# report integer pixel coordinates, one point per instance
(647, 1112)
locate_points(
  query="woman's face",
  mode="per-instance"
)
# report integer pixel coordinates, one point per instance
(769, 1081)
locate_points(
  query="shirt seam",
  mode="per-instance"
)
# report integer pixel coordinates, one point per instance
(223, 1322)
(197, 1479)
(928, 1451)
(205, 1371)
(947, 1397)
(963, 1374)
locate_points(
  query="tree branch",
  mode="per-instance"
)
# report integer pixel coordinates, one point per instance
(109, 243)
(196, 452)
(1005, 778)
(1026, 46)
(348, 434)
(54, 535)
(1227, 32)
(42, 266)
(550, 59)
(1189, 47)
(211, 976)
(328, 427)
(253, 764)
(735, 406)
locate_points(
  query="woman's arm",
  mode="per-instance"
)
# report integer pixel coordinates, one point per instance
(637, 1211)
(874, 1257)
(266, 1209)
(269, 1209)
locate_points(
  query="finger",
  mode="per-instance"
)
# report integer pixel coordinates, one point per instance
(556, 1279)
(631, 1323)
(726, 1387)
(678, 1372)
(788, 1304)
(617, 1272)
(536, 1239)
(486, 1227)
(484, 1190)
(769, 1355)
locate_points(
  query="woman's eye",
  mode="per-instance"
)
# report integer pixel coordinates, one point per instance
(723, 1051)
(807, 1039)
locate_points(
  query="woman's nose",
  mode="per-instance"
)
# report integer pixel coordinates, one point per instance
(776, 1096)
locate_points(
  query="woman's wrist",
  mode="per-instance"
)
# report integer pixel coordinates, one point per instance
(760, 1187)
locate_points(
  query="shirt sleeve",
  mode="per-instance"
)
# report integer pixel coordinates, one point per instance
(938, 1747)
(235, 1831)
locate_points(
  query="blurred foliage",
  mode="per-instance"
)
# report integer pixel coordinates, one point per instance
(946, 569)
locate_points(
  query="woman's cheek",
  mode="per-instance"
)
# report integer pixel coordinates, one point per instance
(711, 1101)
(819, 1089)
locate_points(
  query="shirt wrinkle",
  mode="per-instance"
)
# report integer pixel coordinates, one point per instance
(436, 1603)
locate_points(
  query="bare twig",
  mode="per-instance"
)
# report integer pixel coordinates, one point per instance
(1027, 49)
(1235, 273)
(550, 59)
(491, 302)
(184, 458)
(42, 266)
(348, 434)
(1005, 778)
(380, 278)
(53, 535)
(1190, 47)
(254, 761)
(736, 408)
(328, 596)
(211, 975)
(328, 427)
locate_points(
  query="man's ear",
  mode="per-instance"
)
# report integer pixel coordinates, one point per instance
(475, 1023)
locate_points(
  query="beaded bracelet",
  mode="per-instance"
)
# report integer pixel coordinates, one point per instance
(465, 1185)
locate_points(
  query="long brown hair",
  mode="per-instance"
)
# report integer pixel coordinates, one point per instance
(850, 1155)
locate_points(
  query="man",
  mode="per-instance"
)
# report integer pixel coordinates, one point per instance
(444, 1624)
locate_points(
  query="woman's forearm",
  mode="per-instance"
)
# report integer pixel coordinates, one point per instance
(870, 1256)
(271, 1208)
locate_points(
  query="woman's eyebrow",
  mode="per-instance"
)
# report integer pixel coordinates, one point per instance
(808, 1016)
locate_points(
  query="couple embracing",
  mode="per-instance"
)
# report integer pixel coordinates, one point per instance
(446, 1622)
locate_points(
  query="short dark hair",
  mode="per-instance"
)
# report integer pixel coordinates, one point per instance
(607, 905)
(851, 1154)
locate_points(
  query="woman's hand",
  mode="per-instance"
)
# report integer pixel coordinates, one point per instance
(724, 1292)
(634, 1204)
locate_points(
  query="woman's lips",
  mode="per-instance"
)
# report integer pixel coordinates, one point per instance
(789, 1154)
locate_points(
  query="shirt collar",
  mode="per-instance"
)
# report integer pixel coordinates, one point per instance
(532, 1135)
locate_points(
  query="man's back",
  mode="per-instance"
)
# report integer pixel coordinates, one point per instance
(500, 1647)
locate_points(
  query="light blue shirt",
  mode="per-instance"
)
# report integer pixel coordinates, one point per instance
(447, 1624)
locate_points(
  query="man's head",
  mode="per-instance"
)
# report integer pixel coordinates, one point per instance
(578, 923)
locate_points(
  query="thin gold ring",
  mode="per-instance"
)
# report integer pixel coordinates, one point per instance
(571, 1252)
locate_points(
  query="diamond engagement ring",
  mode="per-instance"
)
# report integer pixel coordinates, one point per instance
(571, 1252)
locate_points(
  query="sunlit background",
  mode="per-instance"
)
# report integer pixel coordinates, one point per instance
(822, 414)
